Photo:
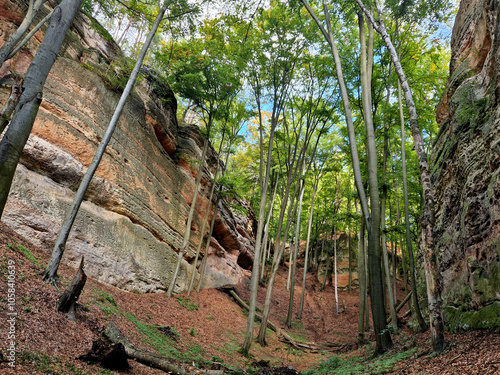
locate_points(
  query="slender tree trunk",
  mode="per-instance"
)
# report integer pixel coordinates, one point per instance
(349, 285)
(10, 44)
(398, 223)
(385, 256)
(207, 246)
(295, 255)
(278, 253)
(414, 297)
(362, 283)
(345, 102)
(335, 269)
(50, 274)
(306, 260)
(120, 40)
(266, 231)
(205, 219)
(17, 134)
(187, 234)
(394, 255)
(432, 275)
(383, 337)
(30, 35)
(254, 281)
(14, 97)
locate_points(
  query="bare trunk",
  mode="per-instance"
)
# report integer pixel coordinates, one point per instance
(14, 97)
(415, 305)
(295, 254)
(432, 275)
(187, 234)
(50, 274)
(382, 335)
(335, 269)
(67, 301)
(17, 134)
(10, 44)
(362, 283)
(306, 260)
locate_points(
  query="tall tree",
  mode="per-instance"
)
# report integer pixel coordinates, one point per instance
(8, 47)
(432, 275)
(17, 134)
(50, 273)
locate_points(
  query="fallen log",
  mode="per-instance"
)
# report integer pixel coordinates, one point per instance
(150, 359)
(282, 335)
(114, 335)
(67, 301)
(400, 306)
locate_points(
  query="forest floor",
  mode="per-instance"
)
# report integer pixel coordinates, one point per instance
(207, 329)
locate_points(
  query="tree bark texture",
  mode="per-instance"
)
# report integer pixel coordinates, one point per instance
(50, 274)
(67, 301)
(432, 275)
(10, 44)
(20, 127)
(15, 95)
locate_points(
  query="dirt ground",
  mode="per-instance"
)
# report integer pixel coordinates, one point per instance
(208, 326)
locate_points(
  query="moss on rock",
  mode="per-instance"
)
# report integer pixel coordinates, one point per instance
(460, 320)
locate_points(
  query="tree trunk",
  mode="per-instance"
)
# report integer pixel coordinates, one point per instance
(67, 301)
(349, 285)
(187, 234)
(266, 231)
(415, 306)
(142, 356)
(335, 269)
(254, 280)
(398, 223)
(382, 335)
(362, 283)
(278, 253)
(295, 255)
(385, 255)
(432, 275)
(204, 222)
(10, 44)
(14, 97)
(20, 127)
(207, 246)
(50, 274)
(306, 260)
(30, 35)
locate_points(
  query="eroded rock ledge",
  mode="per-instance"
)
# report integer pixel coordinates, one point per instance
(132, 222)
(466, 170)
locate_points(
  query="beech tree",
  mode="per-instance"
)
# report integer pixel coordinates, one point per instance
(432, 274)
(50, 273)
(19, 129)
(7, 50)
(371, 213)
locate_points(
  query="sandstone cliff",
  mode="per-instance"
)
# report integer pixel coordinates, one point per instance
(132, 222)
(466, 170)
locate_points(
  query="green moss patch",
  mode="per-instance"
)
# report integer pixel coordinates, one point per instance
(460, 320)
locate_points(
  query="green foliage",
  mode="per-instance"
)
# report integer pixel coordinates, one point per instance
(187, 303)
(26, 252)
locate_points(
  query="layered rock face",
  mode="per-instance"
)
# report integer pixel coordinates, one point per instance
(132, 222)
(466, 170)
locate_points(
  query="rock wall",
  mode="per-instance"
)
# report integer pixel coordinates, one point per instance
(466, 170)
(132, 222)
